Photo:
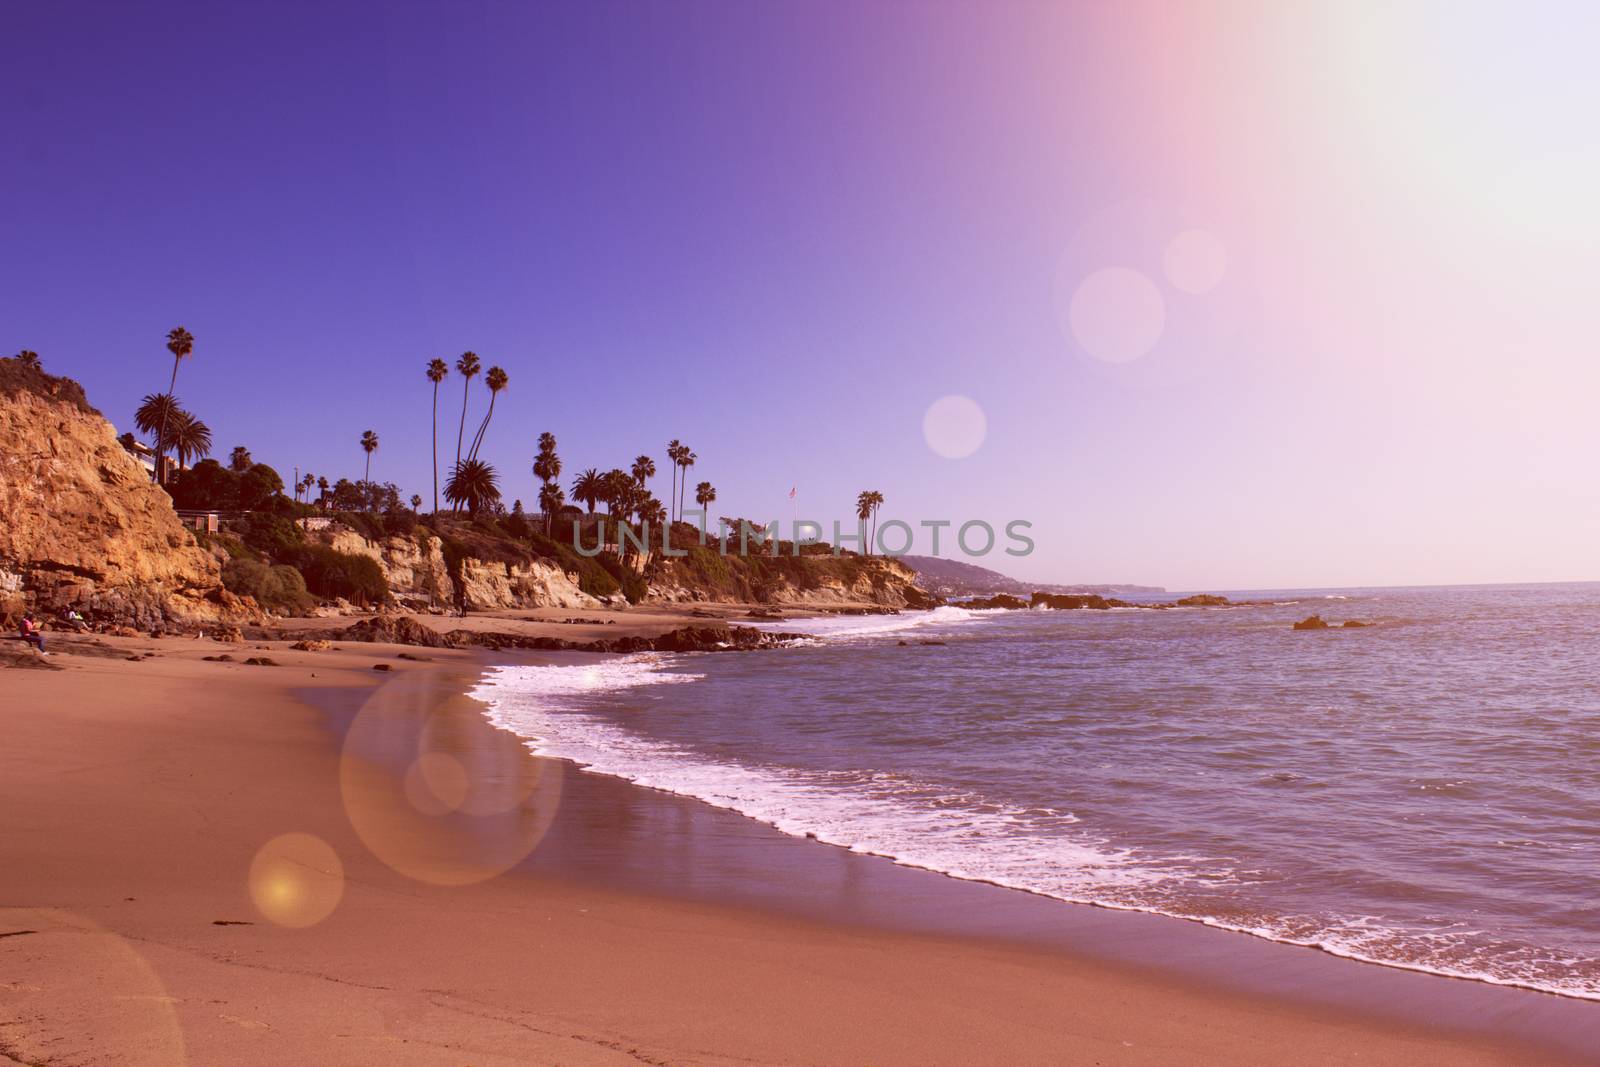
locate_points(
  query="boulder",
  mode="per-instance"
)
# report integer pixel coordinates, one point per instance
(1203, 600)
(998, 602)
(1313, 622)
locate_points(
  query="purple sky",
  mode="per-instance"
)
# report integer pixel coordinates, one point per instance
(782, 232)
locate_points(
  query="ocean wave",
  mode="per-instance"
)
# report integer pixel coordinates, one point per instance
(855, 626)
(965, 835)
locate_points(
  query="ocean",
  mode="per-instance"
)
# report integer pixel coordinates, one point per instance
(1423, 793)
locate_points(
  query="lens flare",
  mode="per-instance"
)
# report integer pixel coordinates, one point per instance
(955, 426)
(1117, 314)
(1195, 261)
(71, 988)
(296, 880)
(434, 794)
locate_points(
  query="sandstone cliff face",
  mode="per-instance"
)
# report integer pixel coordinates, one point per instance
(80, 522)
(882, 581)
(422, 575)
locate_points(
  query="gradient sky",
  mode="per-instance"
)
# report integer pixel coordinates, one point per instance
(782, 232)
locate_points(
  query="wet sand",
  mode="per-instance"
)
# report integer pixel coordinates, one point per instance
(469, 904)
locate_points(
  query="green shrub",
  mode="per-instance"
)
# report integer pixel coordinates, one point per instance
(277, 537)
(329, 574)
(276, 588)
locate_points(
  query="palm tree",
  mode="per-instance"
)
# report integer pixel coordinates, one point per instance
(704, 494)
(617, 486)
(239, 459)
(497, 379)
(644, 468)
(180, 343)
(29, 358)
(437, 369)
(416, 501)
(675, 452)
(589, 487)
(683, 483)
(152, 417)
(191, 438)
(652, 511)
(550, 500)
(369, 445)
(468, 366)
(472, 485)
(322, 488)
(547, 465)
(864, 509)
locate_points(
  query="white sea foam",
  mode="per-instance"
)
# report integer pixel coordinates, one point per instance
(960, 834)
(912, 822)
(853, 626)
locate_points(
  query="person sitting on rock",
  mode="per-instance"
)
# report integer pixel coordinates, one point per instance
(31, 634)
(75, 620)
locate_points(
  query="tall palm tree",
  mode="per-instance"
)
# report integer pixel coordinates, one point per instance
(437, 369)
(644, 468)
(551, 498)
(675, 452)
(154, 414)
(416, 501)
(239, 459)
(497, 379)
(191, 438)
(180, 343)
(704, 494)
(547, 468)
(322, 488)
(683, 483)
(864, 506)
(468, 367)
(369, 445)
(588, 488)
(29, 358)
(472, 485)
(547, 465)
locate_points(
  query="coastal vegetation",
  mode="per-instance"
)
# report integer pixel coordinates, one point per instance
(285, 543)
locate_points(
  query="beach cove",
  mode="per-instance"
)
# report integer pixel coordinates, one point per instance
(591, 922)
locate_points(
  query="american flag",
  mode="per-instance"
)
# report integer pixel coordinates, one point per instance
(792, 491)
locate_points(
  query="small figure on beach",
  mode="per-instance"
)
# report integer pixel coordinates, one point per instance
(31, 634)
(71, 618)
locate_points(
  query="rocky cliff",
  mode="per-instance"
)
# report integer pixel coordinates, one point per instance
(81, 524)
(419, 573)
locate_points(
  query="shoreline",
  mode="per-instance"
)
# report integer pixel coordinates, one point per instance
(914, 902)
(537, 751)
(145, 789)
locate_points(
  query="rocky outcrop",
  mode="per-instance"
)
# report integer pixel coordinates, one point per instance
(419, 575)
(402, 630)
(1312, 622)
(1000, 601)
(1074, 602)
(82, 526)
(810, 581)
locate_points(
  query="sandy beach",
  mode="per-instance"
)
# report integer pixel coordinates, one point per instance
(154, 911)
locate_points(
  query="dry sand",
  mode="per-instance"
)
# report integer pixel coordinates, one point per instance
(146, 915)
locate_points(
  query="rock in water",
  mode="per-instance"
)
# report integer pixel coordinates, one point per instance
(1313, 622)
(83, 525)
